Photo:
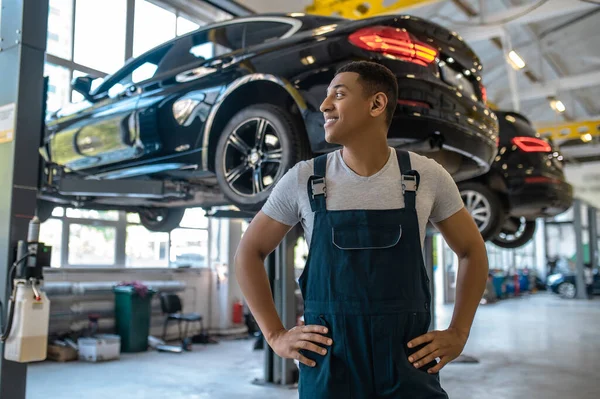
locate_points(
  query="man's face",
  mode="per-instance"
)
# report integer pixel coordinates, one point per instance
(346, 108)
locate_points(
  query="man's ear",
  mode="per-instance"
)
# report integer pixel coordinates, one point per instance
(378, 104)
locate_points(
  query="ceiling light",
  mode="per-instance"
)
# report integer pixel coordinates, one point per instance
(586, 138)
(515, 60)
(557, 105)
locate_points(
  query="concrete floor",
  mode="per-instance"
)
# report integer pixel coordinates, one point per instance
(532, 347)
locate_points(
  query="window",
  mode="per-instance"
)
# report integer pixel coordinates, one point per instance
(99, 34)
(145, 248)
(189, 248)
(153, 25)
(60, 23)
(227, 38)
(91, 245)
(185, 26)
(263, 32)
(59, 87)
(139, 71)
(51, 234)
(92, 214)
(194, 218)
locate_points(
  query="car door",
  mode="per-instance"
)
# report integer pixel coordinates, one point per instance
(175, 104)
(106, 133)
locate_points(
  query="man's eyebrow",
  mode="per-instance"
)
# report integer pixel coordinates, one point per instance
(338, 86)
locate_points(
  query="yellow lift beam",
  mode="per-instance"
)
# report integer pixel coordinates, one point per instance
(584, 130)
(357, 9)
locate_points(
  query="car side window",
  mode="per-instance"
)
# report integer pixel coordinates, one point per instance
(260, 32)
(227, 38)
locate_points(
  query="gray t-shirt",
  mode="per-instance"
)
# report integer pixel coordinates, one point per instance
(438, 197)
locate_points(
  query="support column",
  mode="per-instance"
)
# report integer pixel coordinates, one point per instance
(593, 229)
(280, 269)
(579, 280)
(23, 30)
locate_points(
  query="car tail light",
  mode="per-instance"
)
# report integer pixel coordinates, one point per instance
(412, 103)
(542, 179)
(531, 144)
(483, 92)
(396, 42)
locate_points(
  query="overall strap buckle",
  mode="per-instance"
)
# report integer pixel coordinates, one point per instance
(318, 186)
(409, 183)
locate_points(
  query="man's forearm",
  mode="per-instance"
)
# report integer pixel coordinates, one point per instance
(470, 285)
(254, 283)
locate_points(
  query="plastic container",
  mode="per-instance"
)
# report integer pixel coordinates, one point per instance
(132, 318)
(102, 347)
(28, 338)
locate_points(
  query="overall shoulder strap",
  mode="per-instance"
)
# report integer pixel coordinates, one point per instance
(409, 179)
(316, 188)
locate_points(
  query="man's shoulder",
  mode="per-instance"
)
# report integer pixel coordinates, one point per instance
(422, 163)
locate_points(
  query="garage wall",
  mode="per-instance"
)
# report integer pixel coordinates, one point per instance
(203, 291)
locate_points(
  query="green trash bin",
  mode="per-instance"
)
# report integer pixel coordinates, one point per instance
(132, 318)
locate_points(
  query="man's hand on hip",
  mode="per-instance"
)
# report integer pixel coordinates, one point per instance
(446, 345)
(288, 343)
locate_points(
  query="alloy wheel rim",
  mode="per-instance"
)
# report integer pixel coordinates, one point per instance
(478, 207)
(252, 159)
(567, 290)
(515, 234)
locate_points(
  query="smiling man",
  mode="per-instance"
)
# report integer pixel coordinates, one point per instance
(364, 210)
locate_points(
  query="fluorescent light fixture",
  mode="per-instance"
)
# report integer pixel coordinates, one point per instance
(515, 60)
(557, 105)
(586, 138)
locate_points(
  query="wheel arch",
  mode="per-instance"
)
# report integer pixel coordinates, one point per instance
(248, 90)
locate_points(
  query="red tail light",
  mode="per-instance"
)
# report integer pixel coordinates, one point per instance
(412, 103)
(542, 179)
(531, 144)
(395, 42)
(483, 92)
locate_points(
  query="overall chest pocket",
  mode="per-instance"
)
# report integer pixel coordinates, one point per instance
(366, 237)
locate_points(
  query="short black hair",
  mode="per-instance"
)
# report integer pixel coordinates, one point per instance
(376, 78)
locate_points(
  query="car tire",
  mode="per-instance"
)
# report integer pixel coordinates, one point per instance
(161, 219)
(510, 240)
(44, 210)
(567, 290)
(485, 207)
(243, 161)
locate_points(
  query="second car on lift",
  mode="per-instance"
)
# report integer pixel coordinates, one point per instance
(526, 181)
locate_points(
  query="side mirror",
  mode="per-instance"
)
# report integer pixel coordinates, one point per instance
(83, 85)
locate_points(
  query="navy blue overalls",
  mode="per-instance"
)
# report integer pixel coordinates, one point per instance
(365, 280)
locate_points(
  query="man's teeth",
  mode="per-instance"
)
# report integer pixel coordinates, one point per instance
(331, 119)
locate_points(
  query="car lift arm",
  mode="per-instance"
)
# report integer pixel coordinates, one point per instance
(356, 9)
(584, 130)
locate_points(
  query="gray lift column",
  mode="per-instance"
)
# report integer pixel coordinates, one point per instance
(280, 269)
(579, 250)
(23, 29)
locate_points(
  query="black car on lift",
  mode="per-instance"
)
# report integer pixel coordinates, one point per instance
(526, 181)
(217, 116)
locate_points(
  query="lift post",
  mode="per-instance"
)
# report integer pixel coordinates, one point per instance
(280, 269)
(23, 30)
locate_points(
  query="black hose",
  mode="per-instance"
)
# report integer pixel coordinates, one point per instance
(11, 302)
(9, 322)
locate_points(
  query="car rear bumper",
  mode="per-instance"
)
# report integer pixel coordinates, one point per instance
(432, 114)
(533, 200)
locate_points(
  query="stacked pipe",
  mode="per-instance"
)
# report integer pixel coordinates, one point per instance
(73, 302)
